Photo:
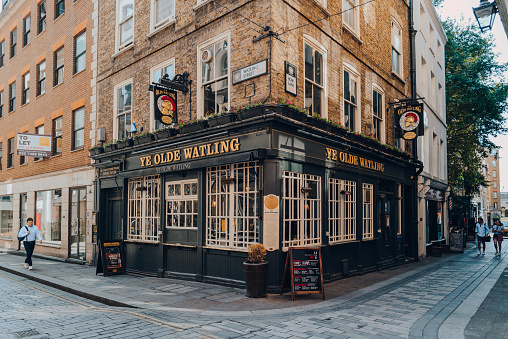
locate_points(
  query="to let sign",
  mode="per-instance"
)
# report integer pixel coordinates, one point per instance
(250, 72)
(33, 145)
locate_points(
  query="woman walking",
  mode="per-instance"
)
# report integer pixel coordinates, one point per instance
(498, 231)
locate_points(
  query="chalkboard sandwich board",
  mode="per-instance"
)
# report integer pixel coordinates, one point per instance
(306, 270)
(110, 259)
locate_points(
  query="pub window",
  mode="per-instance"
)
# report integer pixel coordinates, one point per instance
(12, 97)
(342, 210)
(163, 12)
(1, 155)
(396, 48)
(25, 95)
(301, 199)
(1, 104)
(232, 205)
(26, 30)
(315, 74)
(57, 135)
(41, 17)
(59, 8)
(59, 66)
(378, 124)
(41, 78)
(80, 52)
(2, 53)
(368, 211)
(125, 23)
(14, 37)
(156, 73)
(214, 76)
(10, 153)
(143, 209)
(78, 126)
(182, 204)
(39, 130)
(123, 110)
(351, 99)
(351, 15)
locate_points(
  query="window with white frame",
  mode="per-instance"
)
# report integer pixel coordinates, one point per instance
(342, 210)
(494, 195)
(351, 15)
(351, 102)
(214, 76)
(232, 205)
(494, 174)
(494, 184)
(125, 23)
(494, 163)
(156, 73)
(143, 208)
(182, 204)
(396, 48)
(301, 201)
(123, 110)
(315, 77)
(378, 123)
(163, 11)
(368, 211)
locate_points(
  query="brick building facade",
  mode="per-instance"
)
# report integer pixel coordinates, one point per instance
(45, 88)
(162, 197)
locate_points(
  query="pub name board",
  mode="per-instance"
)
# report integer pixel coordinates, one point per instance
(353, 160)
(192, 152)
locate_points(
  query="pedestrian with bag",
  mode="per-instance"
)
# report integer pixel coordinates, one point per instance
(481, 231)
(29, 233)
(498, 231)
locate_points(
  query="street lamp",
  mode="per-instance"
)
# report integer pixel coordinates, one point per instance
(485, 14)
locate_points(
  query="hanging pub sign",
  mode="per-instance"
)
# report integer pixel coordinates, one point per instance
(409, 119)
(290, 71)
(165, 108)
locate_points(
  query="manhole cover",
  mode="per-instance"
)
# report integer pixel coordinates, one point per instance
(24, 334)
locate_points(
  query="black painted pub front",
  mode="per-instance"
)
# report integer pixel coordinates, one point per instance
(188, 206)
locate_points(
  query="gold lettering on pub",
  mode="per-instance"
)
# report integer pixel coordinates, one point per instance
(354, 160)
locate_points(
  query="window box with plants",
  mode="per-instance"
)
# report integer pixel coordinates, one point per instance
(96, 150)
(109, 147)
(288, 109)
(317, 121)
(256, 270)
(143, 138)
(122, 143)
(252, 111)
(192, 126)
(221, 118)
(164, 133)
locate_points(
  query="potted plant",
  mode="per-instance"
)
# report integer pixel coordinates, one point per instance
(109, 147)
(192, 125)
(95, 150)
(164, 133)
(255, 270)
(221, 118)
(251, 111)
(288, 109)
(143, 138)
(125, 142)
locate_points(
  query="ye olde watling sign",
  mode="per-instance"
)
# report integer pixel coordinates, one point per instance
(409, 119)
(165, 109)
(249, 72)
(33, 145)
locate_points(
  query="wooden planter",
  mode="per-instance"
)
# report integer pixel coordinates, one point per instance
(437, 251)
(252, 112)
(446, 248)
(110, 148)
(291, 113)
(165, 133)
(222, 119)
(143, 139)
(255, 278)
(191, 128)
(124, 143)
(96, 151)
(318, 123)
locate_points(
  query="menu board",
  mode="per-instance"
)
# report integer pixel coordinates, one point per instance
(306, 269)
(110, 258)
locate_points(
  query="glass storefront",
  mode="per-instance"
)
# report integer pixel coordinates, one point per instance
(48, 215)
(6, 216)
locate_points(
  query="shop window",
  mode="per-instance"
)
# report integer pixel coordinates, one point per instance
(6, 216)
(48, 215)
(214, 76)
(182, 204)
(315, 73)
(41, 17)
(396, 48)
(59, 8)
(351, 99)
(12, 97)
(39, 130)
(378, 123)
(342, 210)
(163, 12)
(25, 93)
(14, 38)
(351, 15)
(1, 104)
(125, 23)
(41, 78)
(156, 73)
(368, 211)
(301, 209)
(23, 209)
(232, 207)
(143, 209)
(26, 30)
(57, 135)
(123, 110)
(2, 53)
(10, 153)
(78, 128)
(80, 52)
(59, 66)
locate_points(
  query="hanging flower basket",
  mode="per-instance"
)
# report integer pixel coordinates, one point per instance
(222, 119)
(291, 112)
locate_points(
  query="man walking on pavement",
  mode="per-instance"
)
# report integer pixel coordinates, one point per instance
(30, 232)
(481, 231)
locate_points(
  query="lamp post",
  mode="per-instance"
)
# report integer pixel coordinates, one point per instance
(485, 14)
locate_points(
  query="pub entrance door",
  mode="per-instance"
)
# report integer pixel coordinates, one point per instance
(114, 215)
(386, 225)
(77, 226)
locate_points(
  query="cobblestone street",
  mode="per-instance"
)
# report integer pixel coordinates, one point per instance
(447, 298)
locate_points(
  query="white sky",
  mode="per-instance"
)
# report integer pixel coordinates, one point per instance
(463, 9)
